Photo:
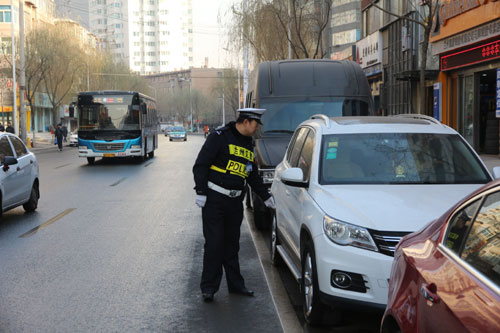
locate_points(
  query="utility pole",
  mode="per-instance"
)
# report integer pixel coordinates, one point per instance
(22, 74)
(14, 87)
(245, 59)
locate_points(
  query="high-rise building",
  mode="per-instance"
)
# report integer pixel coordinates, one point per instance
(152, 36)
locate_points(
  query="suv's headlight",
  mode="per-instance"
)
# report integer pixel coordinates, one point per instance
(267, 176)
(347, 234)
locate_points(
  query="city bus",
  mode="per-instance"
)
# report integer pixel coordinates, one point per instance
(116, 124)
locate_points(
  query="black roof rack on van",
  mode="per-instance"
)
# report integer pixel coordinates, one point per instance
(419, 116)
(324, 117)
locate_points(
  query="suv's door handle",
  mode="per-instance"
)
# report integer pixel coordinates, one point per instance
(31, 161)
(427, 294)
(18, 169)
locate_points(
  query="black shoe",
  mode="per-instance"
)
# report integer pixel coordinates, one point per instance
(207, 297)
(244, 292)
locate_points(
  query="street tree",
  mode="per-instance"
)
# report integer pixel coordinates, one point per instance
(227, 87)
(422, 13)
(64, 67)
(37, 55)
(271, 26)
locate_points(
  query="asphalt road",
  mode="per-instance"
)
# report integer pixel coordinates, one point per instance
(118, 247)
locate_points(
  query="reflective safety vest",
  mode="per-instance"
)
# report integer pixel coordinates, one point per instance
(239, 162)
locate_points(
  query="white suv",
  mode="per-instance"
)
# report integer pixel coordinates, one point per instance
(19, 180)
(349, 188)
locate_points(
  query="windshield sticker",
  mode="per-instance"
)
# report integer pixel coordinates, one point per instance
(331, 153)
(333, 144)
(400, 171)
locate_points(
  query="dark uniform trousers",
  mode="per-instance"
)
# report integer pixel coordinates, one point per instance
(222, 217)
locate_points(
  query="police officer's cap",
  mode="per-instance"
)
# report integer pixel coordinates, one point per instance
(252, 113)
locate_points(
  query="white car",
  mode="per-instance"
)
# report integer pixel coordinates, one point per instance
(349, 188)
(19, 176)
(73, 138)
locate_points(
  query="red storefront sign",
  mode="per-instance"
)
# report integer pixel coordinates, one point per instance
(480, 53)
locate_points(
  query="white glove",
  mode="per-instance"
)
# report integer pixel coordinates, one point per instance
(270, 203)
(201, 200)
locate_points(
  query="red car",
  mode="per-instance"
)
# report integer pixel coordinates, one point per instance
(446, 277)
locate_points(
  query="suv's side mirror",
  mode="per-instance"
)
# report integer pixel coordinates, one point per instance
(294, 177)
(144, 108)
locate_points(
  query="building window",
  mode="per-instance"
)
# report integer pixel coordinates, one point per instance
(5, 14)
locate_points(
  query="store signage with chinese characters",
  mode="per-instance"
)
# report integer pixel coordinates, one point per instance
(470, 37)
(470, 56)
(369, 50)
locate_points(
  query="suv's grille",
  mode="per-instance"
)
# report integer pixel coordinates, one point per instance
(109, 146)
(387, 240)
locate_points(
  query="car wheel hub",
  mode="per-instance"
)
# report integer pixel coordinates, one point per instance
(308, 283)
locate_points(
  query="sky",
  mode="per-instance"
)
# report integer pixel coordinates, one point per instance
(209, 18)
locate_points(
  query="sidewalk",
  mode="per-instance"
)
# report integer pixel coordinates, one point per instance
(44, 142)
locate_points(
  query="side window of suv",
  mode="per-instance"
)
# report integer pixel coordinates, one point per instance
(458, 226)
(5, 149)
(297, 146)
(18, 146)
(305, 158)
(482, 244)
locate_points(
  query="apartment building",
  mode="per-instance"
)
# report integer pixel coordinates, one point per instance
(152, 36)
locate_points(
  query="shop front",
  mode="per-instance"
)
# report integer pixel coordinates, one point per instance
(466, 37)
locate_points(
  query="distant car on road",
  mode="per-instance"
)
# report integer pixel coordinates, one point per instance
(73, 138)
(19, 175)
(446, 277)
(349, 188)
(178, 133)
(167, 130)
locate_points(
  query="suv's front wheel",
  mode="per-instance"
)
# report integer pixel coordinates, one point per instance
(312, 307)
(275, 241)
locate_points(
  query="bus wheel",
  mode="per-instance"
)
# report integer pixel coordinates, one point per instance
(91, 160)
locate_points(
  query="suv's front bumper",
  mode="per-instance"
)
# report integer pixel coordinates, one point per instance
(373, 267)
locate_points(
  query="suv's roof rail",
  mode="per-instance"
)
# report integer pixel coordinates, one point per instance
(324, 117)
(419, 116)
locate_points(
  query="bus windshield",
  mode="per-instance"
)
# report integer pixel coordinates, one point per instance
(285, 114)
(109, 113)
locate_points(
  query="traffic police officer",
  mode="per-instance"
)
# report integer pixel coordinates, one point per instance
(225, 164)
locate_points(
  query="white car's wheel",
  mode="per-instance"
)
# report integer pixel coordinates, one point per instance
(312, 307)
(276, 259)
(32, 203)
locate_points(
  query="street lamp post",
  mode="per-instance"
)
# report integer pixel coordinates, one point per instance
(190, 102)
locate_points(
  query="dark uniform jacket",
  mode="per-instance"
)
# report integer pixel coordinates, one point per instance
(227, 159)
(9, 129)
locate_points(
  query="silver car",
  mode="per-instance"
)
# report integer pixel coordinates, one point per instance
(19, 177)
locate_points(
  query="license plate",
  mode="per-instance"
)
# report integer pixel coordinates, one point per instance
(109, 155)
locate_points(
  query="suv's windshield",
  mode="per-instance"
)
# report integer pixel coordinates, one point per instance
(398, 158)
(285, 114)
(178, 129)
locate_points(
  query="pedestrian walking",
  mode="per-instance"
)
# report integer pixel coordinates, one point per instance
(59, 136)
(65, 133)
(2, 128)
(225, 164)
(9, 128)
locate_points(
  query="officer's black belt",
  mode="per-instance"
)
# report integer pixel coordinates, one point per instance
(222, 190)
